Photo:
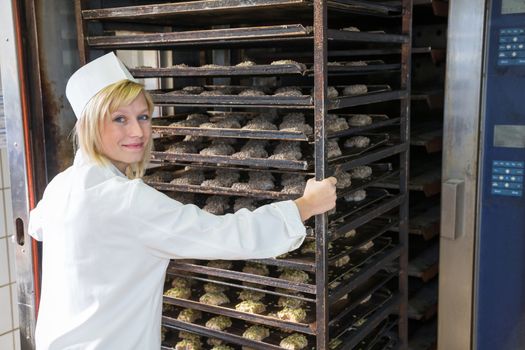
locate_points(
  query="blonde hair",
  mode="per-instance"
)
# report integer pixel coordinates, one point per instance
(105, 102)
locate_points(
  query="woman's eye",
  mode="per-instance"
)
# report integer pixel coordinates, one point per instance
(143, 117)
(119, 119)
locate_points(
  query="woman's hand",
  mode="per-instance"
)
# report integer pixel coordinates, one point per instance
(318, 197)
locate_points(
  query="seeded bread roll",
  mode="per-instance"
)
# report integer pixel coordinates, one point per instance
(361, 172)
(189, 315)
(287, 150)
(243, 202)
(217, 298)
(295, 122)
(335, 123)
(193, 90)
(214, 342)
(214, 288)
(163, 332)
(289, 302)
(184, 147)
(179, 282)
(245, 64)
(297, 276)
(333, 149)
(256, 269)
(187, 123)
(291, 91)
(189, 336)
(252, 92)
(191, 177)
(216, 205)
(222, 347)
(297, 315)
(357, 196)
(356, 89)
(261, 181)
(357, 141)
(252, 149)
(218, 149)
(367, 246)
(187, 344)
(295, 341)
(360, 120)
(250, 306)
(351, 29)
(281, 62)
(179, 292)
(223, 178)
(344, 179)
(341, 261)
(252, 295)
(259, 123)
(256, 333)
(159, 176)
(219, 323)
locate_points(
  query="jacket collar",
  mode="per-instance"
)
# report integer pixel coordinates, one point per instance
(81, 159)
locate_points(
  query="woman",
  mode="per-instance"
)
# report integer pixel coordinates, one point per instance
(108, 237)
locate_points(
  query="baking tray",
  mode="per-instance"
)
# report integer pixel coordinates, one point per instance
(378, 121)
(308, 326)
(220, 71)
(185, 12)
(379, 173)
(286, 34)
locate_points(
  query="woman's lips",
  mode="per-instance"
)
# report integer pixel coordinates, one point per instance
(134, 146)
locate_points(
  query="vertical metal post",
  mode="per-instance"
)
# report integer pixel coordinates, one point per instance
(406, 63)
(16, 112)
(81, 30)
(320, 111)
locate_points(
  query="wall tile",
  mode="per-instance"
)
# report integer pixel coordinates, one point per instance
(4, 264)
(11, 248)
(5, 168)
(3, 228)
(6, 341)
(14, 304)
(8, 204)
(16, 335)
(6, 322)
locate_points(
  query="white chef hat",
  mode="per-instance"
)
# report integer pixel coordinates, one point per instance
(88, 80)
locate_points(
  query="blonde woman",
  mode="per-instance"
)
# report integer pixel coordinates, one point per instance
(108, 237)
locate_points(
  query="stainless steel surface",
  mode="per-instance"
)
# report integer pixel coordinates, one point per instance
(452, 212)
(17, 163)
(460, 161)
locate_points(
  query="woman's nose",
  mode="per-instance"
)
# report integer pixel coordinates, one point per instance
(135, 130)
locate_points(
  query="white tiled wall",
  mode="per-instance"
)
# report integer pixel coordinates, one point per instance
(9, 322)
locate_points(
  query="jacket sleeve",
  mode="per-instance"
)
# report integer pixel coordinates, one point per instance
(173, 230)
(35, 229)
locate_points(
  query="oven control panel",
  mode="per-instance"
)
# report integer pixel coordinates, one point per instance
(511, 48)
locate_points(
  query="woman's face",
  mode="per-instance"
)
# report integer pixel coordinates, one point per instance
(126, 132)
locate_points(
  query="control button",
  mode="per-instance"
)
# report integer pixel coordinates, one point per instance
(514, 54)
(506, 171)
(502, 192)
(506, 62)
(508, 178)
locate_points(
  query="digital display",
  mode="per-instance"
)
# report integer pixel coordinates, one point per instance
(512, 136)
(512, 6)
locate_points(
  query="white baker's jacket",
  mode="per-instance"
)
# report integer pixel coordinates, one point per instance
(107, 241)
